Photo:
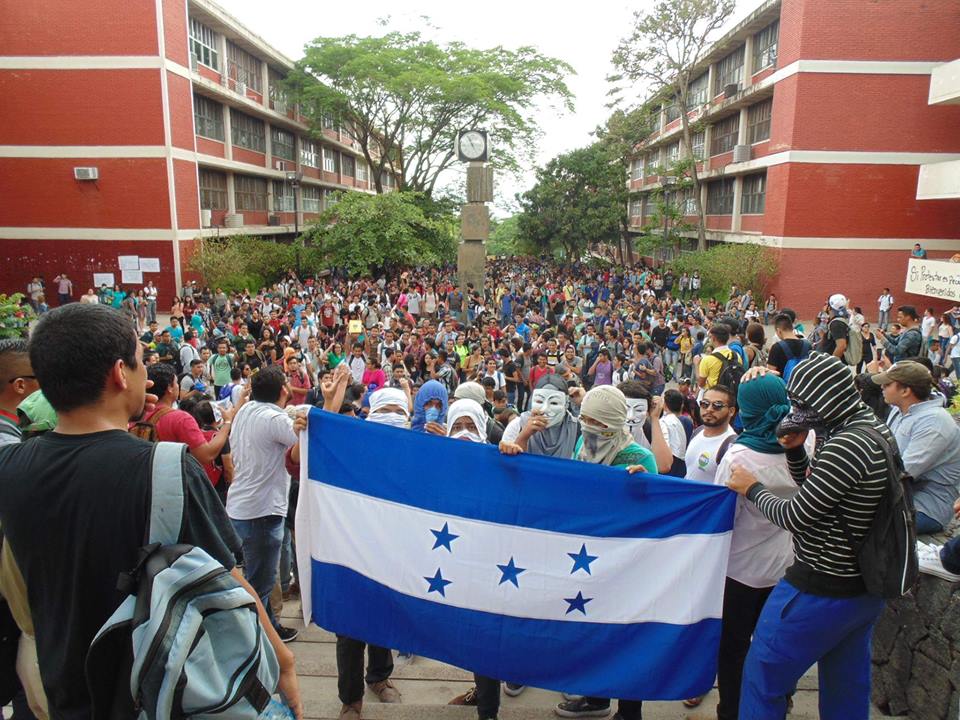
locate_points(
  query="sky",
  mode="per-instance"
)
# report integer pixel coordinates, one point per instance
(582, 34)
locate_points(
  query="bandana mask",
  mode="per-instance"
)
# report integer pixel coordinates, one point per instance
(467, 435)
(432, 414)
(552, 403)
(598, 440)
(393, 419)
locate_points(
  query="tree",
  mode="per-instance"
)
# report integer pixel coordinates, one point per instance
(662, 51)
(15, 316)
(405, 98)
(579, 199)
(363, 232)
(747, 265)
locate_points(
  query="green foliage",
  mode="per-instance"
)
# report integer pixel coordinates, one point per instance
(409, 96)
(364, 232)
(505, 237)
(580, 198)
(241, 262)
(954, 408)
(14, 317)
(747, 265)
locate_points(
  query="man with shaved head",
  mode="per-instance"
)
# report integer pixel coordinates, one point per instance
(16, 382)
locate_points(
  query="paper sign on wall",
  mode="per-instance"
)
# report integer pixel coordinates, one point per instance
(103, 279)
(149, 264)
(933, 278)
(132, 277)
(129, 262)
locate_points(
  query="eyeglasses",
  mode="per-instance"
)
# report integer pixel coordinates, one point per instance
(716, 405)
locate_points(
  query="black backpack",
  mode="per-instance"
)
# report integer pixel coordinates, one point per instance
(888, 552)
(731, 370)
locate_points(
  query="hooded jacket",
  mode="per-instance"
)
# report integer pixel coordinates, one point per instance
(847, 479)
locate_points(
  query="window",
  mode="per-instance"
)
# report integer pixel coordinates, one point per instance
(363, 172)
(636, 169)
(347, 165)
(308, 153)
(649, 163)
(247, 132)
(697, 141)
(329, 160)
(729, 70)
(765, 47)
(328, 121)
(244, 68)
(697, 91)
(207, 117)
(720, 197)
(636, 209)
(251, 193)
(213, 189)
(724, 135)
(758, 121)
(282, 144)
(330, 198)
(672, 111)
(686, 202)
(311, 198)
(387, 180)
(673, 152)
(282, 196)
(754, 192)
(204, 44)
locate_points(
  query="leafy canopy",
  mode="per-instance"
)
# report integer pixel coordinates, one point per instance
(406, 97)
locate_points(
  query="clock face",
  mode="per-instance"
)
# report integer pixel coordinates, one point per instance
(472, 144)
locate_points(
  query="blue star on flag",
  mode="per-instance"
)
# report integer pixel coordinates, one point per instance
(444, 537)
(582, 560)
(438, 584)
(510, 573)
(577, 603)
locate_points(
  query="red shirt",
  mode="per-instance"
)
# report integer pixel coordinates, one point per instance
(537, 372)
(179, 426)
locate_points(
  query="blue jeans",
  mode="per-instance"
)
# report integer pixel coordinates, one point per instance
(286, 558)
(796, 630)
(261, 539)
(926, 525)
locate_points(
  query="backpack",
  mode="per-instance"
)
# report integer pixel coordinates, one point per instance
(187, 640)
(226, 391)
(731, 370)
(737, 347)
(147, 429)
(793, 360)
(888, 552)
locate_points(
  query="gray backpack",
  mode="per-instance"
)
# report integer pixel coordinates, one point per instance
(187, 641)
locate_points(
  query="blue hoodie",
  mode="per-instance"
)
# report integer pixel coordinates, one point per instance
(431, 390)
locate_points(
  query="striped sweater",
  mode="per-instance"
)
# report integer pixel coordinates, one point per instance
(846, 480)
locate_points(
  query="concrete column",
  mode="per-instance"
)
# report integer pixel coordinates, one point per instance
(748, 63)
(231, 196)
(227, 133)
(265, 83)
(270, 199)
(711, 75)
(268, 145)
(737, 195)
(222, 50)
(742, 131)
(707, 132)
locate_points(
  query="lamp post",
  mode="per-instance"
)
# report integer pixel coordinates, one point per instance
(667, 182)
(294, 179)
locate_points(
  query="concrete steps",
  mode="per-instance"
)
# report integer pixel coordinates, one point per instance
(427, 686)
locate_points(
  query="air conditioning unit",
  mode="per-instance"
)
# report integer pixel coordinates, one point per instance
(741, 153)
(206, 217)
(273, 220)
(241, 87)
(194, 62)
(86, 173)
(731, 89)
(280, 165)
(234, 220)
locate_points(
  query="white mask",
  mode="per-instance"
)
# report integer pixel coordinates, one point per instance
(636, 417)
(551, 402)
(467, 435)
(393, 419)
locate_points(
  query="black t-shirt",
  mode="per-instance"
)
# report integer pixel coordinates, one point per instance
(75, 509)
(509, 370)
(660, 335)
(838, 329)
(778, 357)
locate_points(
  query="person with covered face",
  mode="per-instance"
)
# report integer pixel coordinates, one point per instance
(430, 408)
(548, 428)
(820, 612)
(390, 406)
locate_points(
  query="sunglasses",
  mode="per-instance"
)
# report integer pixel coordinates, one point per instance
(716, 405)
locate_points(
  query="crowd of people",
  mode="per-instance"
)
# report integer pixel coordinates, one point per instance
(630, 368)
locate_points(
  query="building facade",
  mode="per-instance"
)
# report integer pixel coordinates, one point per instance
(135, 129)
(814, 119)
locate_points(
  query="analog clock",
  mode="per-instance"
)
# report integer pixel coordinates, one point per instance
(473, 145)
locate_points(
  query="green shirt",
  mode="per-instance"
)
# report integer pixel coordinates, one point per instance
(220, 366)
(632, 454)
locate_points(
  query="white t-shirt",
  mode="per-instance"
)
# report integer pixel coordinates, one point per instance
(675, 435)
(261, 434)
(701, 455)
(926, 326)
(886, 302)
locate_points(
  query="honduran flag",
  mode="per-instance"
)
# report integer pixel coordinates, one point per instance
(540, 571)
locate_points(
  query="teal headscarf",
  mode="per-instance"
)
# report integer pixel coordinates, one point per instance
(762, 404)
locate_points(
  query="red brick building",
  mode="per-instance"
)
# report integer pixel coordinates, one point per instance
(818, 117)
(136, 128)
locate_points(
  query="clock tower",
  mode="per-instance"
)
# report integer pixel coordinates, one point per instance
(473, 148)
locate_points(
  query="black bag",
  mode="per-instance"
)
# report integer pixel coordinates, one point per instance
(731, 370)
(888, 552)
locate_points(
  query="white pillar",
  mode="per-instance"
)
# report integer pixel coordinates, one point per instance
(265, 84)
(231, 195)
(268, 144)
(742, 130)
(737, 195)
(227, 133)
(748, 63)
(711, 75)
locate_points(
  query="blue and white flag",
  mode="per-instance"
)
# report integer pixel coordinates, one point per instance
(535, 570)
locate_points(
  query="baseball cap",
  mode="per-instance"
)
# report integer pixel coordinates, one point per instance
(905, 372)
(838, 301)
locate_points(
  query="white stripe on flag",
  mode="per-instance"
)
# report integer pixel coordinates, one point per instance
(632, 580)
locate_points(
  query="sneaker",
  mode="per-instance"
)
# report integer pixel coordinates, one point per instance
(350, 712)
(287, 634)
(468, 698)
(582, 708)
(570, 696)
(931, 563)
(385, 691)
(512, 689)
(403, 658)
